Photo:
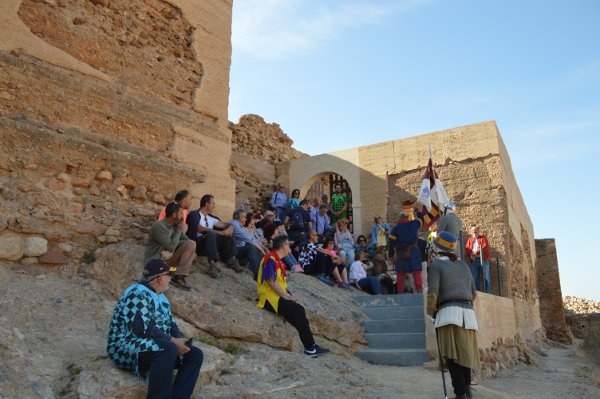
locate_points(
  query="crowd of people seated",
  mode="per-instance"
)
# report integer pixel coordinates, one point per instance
(319, 236)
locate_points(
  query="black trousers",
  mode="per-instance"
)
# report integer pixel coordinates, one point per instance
(216, 247)
(322, 264)
(294, 314)
(161, 365)
(300, 239)
(460, 375)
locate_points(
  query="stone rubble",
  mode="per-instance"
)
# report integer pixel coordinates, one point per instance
(577, 305)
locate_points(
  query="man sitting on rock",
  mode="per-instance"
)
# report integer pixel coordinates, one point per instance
(144, 338)
(213, 238)
(169, 235)
(248, 247)
(274, 296)
(184, 199)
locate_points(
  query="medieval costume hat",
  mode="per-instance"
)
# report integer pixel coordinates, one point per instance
(445, 241)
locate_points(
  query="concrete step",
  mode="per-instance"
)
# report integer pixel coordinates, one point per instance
(395, 312)
(369, 301)
(394, 357)
(395, 326)
(396, 341)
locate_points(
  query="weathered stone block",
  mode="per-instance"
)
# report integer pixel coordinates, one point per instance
(35, 246)
(53, 257)
(80, 182)
(105, 175)
(12, 246)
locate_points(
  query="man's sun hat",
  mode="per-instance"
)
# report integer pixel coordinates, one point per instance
(445, 241)
(155, 268)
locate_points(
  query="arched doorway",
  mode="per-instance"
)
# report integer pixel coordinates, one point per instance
(324, 184)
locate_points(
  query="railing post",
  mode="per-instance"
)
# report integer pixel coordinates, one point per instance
(498, 272)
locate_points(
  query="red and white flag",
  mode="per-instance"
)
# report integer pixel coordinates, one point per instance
(432, 196)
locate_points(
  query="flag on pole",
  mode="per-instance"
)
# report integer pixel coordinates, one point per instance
(432, 196)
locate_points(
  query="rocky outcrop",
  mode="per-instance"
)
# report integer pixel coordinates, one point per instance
(262, 141)
(257, 147)
(577, 305)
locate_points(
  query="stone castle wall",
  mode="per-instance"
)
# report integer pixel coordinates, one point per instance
(107, 109)
(552, 309)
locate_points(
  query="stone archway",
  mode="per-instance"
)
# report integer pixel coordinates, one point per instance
(304, 172)
(324, 183)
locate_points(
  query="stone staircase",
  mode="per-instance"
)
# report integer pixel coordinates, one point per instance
(395, 331)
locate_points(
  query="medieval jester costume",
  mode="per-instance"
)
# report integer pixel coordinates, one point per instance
(139, 307)
(273, 295)
(144, 338)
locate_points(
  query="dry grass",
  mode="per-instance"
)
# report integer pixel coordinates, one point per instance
(592, 374)
(591, 344)
(590, 349)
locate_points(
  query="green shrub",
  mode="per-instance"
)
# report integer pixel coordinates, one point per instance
(231, 349)
(89, 256)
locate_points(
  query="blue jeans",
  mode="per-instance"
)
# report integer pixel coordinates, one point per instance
(250, 253)
(281, 213)
(347, 251)
(476, 270)
(290, 261)
(370, 284)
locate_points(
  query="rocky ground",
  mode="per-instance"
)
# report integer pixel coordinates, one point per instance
(53, 324)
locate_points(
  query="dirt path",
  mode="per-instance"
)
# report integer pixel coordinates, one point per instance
(555, 377)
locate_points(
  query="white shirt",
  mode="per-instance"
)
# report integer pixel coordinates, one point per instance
(357, 271)
(207, 221)
(475, 246)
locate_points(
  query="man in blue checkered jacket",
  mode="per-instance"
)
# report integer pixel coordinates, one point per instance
(144, 338)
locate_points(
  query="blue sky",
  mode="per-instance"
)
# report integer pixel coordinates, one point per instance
(363, 72)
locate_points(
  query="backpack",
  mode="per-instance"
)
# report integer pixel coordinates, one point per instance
(297, 221)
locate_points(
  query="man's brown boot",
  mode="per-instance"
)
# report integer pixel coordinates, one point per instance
(179, 282)
(212, 270)
(235, 266)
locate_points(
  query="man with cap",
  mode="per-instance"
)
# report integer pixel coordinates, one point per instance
(143, 337)
(169, 235)
(450, 301)
(407, 257)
